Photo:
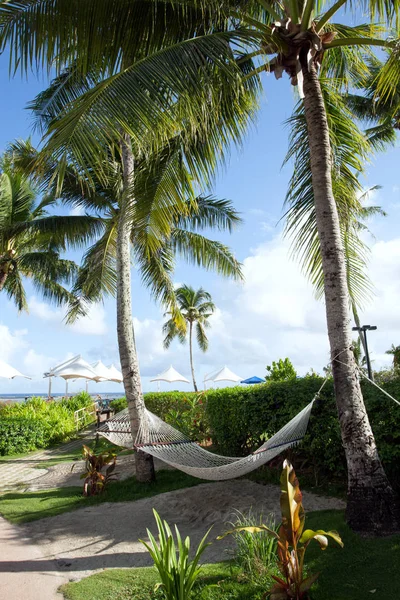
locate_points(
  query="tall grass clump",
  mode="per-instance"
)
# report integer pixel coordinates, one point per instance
(255, 553)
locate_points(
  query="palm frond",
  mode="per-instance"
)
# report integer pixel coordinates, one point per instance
(14, 289)
(201, 337)
(349, 148)
(206, 253)
(97, 276)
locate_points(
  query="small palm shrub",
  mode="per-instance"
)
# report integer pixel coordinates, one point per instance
(255, 553)
(177, 572)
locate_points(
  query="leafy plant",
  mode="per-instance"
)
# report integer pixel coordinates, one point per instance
(177, 572)
(292, 541)
(118, 404)
(21, 434)
(191, 419)
(255, 554)
(283, 370)
(95, 481)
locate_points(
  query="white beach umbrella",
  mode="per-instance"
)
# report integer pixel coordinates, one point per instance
(223, 374)
(8, 372)
(103, 374)
(115, 374)
(75, 368)
(170, 375)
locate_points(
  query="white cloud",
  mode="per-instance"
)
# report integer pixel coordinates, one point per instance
(274, 314)
(271, 315)
(94, 323)
(36, 364)
(12, 342)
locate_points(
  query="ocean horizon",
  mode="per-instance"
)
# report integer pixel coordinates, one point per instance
(22, 397)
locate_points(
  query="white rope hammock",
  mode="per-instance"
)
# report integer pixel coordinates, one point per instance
(172, 447)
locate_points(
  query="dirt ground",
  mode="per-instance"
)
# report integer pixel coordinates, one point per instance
(105, 536)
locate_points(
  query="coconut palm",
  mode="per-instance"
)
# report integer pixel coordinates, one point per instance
(219, 60)
(395, 352)
(133, 143)
(196, 307)
(154, 246)
(381, 114)
(31, 240)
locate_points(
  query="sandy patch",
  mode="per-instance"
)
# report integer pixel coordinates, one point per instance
(68, 474)
(105, 536)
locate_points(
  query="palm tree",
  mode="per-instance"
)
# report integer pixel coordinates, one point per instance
(197, 75)
(196, 307)
(381, 112)
(153, 245)
(395, 352)
(31, 240)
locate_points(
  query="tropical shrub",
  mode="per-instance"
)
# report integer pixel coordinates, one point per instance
(96, 481)
(43, 423)
(21, 434)
(74, 403)
(282, 370)
(161, 403)
(292, 541)
(177, 572)
(191, 418)
(118, 404)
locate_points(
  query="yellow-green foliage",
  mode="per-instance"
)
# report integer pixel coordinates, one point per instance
(37, 423)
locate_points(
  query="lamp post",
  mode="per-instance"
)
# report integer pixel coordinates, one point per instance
(363, 331)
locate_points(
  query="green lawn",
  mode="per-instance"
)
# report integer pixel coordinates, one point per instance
(30, 506)
(63, 454)
(364, 568)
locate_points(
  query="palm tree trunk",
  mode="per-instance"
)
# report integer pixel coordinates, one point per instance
(370, 499)
(126, 338)
(191, 355)
(3, 278)
(4, 270)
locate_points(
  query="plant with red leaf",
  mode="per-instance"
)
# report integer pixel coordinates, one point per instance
(292, 541)
(96, 481)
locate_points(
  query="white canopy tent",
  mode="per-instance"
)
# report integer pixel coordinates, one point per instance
(115, 375)
(8, 372)
(75, 368)
(170, 375)
(223, 374)
(103, 373)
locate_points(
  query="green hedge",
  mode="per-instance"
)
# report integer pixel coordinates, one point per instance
(159, 403)
(20, 434)
(25, 426)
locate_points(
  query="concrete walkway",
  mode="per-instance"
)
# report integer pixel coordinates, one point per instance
(16, 473)
(24, 571)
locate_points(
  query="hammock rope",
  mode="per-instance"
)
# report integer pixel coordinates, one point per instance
(166, 443)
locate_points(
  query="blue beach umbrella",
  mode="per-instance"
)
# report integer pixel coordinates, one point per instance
(252, 380)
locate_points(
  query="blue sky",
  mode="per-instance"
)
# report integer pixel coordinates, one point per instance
(272, 315)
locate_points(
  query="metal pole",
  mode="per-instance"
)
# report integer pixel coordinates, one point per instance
(49, 388)
(370, 375)
(66, 388)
